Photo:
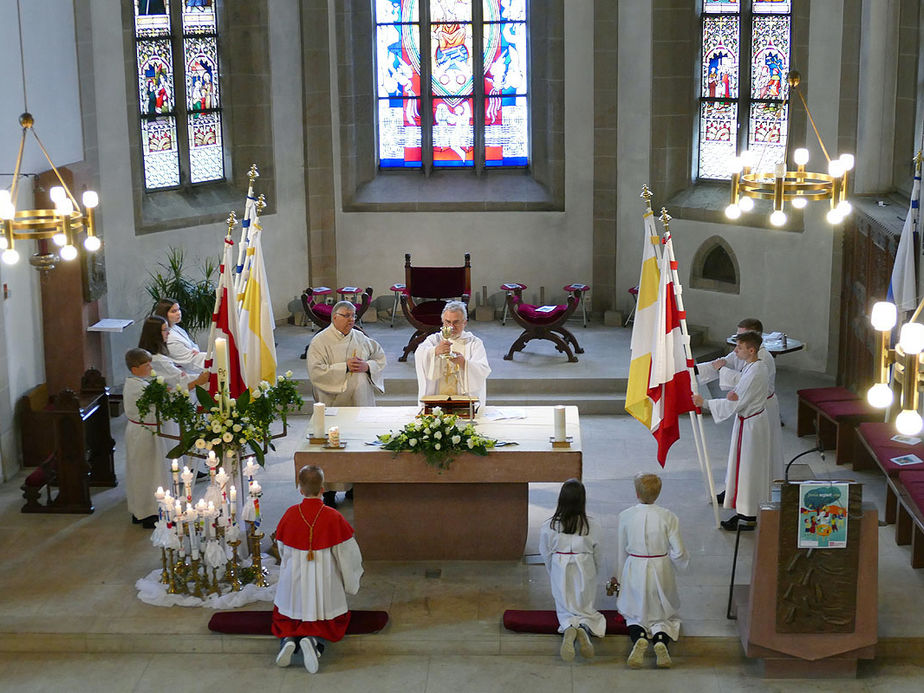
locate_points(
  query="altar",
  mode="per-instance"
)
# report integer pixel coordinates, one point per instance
(406, 510)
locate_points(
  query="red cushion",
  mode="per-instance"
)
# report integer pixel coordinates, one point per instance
(511, 286)
(528, 311)
(547, 622)
(576, 287)
(260, 622)
(878, 437)
(399, 289)
(36, 479)
(848, 409)
(429, 312)
(815, 395)
(322, 309)
(320, 290)
(633, 290)
(913, 481)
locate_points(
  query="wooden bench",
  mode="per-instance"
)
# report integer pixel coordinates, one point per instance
(909, 523)
(808, 401)
(876, 445)
(836, 427)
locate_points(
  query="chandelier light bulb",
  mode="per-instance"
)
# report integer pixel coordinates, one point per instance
(801, 156)
(90, 199)
(883, 316)
(909, 423)
(747, 159)
(844, 207)
(60, 239)
(68, 252)
(879, 396)
(57, 195)
(835, 168)
(5, 196)
(92, 243)
(7, 210)
(746, 204)
(65, 207)
(3, 244)
(834, 217)
(778, 218)
(10, 256)
(733, 211)
(799, 202)
(847, 161)
(911, 338)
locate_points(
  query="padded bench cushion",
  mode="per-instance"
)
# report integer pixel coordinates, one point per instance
(913, 481)
(848, 409)
(878, 436)
(814, 395)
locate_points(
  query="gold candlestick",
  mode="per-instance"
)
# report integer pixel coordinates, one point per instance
(196, 578)
(257, 559)
(164, 575)
(215, 588)
(171, 585)
(234, 565)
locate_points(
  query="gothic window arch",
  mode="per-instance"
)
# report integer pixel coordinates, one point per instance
(715, 267)
(179, 92)
(745, 56)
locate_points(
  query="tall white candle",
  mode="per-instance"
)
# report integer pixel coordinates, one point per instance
(317, 420)
(221, 357)
(559, 423)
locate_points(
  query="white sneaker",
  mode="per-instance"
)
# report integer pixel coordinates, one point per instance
(310, 655)
(584, 643)
(284, 658)
(567, 643)
(664, 657)
(637, 655)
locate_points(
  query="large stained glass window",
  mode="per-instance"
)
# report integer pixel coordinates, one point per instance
(469, 122)
(745, 60)
(179, 92)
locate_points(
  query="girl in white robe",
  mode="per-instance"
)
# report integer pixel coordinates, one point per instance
(570, 546)
(650, 549)
(183, 351)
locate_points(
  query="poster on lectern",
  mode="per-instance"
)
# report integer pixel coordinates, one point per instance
(822, 515)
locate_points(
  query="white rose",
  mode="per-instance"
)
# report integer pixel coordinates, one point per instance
(471, 443)
(437, 446)
(200, 443)
(153, 373)
(216, 441)
(456, 439)
(438, 435)
(237, 428)
(227, 437)
(160, 380)
(208, 446)
(279, 379)
(257, 393)
(242, 441)
(412, 442)
(288, 374)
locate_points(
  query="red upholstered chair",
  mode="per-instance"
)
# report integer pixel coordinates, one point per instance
(544, 322)
(581, 289)
(319, 311)
(428, 289)
(508, 287)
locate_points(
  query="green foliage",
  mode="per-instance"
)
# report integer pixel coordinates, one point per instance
(224, 425)
(439, 437)
(196, 297)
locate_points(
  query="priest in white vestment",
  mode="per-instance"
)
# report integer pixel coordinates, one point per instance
(344, 365)
(321, 564)
(454, 366)
(747, 477)
(728, 372)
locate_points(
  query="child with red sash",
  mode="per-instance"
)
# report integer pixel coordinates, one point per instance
(321, 564)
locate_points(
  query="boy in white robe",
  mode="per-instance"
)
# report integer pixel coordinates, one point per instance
(320, 565)
(145, 463)
(344, 365)
(728, 371)
(466, 373)
(747, 476)
(650, 549)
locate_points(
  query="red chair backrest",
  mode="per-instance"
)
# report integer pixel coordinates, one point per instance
(438, 282)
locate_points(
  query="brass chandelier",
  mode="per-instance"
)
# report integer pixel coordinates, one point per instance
(62, 224)
(796, 187)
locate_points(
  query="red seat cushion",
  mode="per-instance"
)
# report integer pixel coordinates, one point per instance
(260, 622)
(814, 395)
(429, 312)
(849, 409)
(533, 315)
(878, 437)
(576, 287)
(323, 309)
(399, 289)
(36, 479)
(547, 622)
(913, 481)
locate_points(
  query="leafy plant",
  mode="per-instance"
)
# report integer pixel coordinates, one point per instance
(439, 437)
(196, 297)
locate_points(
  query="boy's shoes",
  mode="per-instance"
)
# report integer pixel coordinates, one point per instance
(746, 523)
(286, 649)
(567, 643)
(637, 655)
(584, 643)
(310, 653)
(150, 522)
(663, 656)
(720, 498)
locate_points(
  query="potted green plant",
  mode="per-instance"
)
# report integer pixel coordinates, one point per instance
(195, 296)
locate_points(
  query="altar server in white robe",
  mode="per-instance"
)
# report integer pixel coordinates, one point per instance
(569, 543)
(145, 463)
(650, 550)
(466, 373)
(320, 565)
(747, 477)
(728, 372)
(344, 365)
(183, 351)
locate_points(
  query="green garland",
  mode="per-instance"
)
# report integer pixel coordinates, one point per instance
(245, 421)
(439, 437)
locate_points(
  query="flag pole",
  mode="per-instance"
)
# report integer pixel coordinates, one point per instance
(252, 174)
(232, 222)
(696, 419)
(253, 225)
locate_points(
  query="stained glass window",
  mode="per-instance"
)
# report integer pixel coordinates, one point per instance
(743, 84)
(179, 92)
(484, 120)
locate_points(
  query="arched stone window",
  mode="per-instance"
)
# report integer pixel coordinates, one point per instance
(715, 267)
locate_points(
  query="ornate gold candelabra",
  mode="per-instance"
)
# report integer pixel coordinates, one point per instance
(235, 566)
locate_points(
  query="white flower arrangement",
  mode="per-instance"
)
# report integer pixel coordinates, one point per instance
(439, 437)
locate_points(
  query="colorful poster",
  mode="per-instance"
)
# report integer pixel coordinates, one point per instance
(822, 515)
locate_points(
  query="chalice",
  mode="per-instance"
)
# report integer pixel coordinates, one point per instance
(446, 332)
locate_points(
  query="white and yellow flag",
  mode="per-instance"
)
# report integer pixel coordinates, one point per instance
(257, 344)
(645, 328)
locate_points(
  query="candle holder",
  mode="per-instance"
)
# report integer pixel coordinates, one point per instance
(215, 588)
(257, 559)
(171, 585)
(164, 575)
(566, 443)
(317, 441)
(179, 575)
(234, 566)
(196, 578)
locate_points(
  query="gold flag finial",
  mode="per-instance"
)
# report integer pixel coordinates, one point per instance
(253, 173)
(232, 222)
(919, 159)
(261, 203)
(665, 218)
(646, 195)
